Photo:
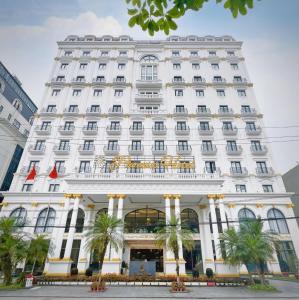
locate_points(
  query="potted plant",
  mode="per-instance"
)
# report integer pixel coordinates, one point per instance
(210, 274)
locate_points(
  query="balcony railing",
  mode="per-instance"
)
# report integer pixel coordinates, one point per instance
(179, 130)
(113, 130)
(83, 170)
(71, 112)
(25, 170)
(264, 172)
(225, 112)
(111, 150)
(119, 81)
(116, 112)
(136, 130)
(98, 81)
(183, 149)
(219, 81)
(229, 130)
(159, 130)
(86, 149)
(66, 130)
(178, 80)
(159, 150)
(208, 149)
(238, 172)
(180, 111)
(206, 131)
(135, 150)
(48, 112)
(61, 150)
(91, 111)
(248, 112)
(58, 80)
(40, 130)
(198, 80)
(204, 112)
(61, 170)
(150, 97)
(258, 150)
(253, 130)
(149, 83)
(78, 80)
(234, 150)
(90, 130)
(241, 80)
(36, 149)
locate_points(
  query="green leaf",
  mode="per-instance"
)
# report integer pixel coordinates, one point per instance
(243, 10)
(132, 12)
(132, 21)
(172, 24)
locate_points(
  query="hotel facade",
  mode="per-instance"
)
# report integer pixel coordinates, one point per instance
(144, 130)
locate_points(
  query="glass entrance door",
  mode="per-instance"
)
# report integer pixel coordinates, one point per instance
(193, 258)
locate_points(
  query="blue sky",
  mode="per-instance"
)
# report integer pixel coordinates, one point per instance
(29, 30)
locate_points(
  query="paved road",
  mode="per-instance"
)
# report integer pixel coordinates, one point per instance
(287, 290)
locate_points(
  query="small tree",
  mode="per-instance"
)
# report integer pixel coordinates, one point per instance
(38, 250)
(105, 231)
(171, 234)
(249, 245)
(13, 246)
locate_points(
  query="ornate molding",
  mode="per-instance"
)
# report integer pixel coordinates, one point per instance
(92, 206)
(259, 205)
(231, 205)
(290, 205)
(34, 204)
(72, 196)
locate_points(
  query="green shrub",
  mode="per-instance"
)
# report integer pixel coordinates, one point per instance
(209, 273)
(262, 288)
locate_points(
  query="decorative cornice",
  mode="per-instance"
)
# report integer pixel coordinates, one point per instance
(72, 196)
(290, 205)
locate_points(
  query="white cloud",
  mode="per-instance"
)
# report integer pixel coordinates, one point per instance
(28, 50)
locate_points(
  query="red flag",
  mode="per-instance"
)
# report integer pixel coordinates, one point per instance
(32, 174)
(53, 174)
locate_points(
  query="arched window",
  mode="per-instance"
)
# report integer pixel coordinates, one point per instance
(143, 220)
(189, 218)
(246, 214)
(277, 221)
(79, 221)
(45, 221)
(149, 67)
(102, 211)
(19, 214)
(218, 220)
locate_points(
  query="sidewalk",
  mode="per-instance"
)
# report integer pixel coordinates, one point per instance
(288, 290)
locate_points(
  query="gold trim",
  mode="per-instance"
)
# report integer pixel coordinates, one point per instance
(290, 205)
(34, 204)
(4, 204)
(61, 204)
(83, 260)
(177, 196)
(231, 205)
(202, 206)
(71, 196)
(92, 206)
(259, 205)
(123, 196)
(167, 196)
(57, 259)
(111, 196)
(209, 260)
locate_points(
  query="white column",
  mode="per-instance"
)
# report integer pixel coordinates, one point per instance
(168, 253)
(57, 241)
(70, 238)
(222, 214)
(119, 215)
(177, 211)
(214, 226)
(110, 204)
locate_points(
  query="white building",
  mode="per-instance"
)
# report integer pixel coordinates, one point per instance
(189, 98)
(16, 111)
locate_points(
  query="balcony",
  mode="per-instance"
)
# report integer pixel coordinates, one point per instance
(116, 111)
(83, 170)
(234, 150)
(111, 150)
(87, 130)
(183, 149)
(26, 170)
(58, 81)
(135, 150)
(71, 112)
(66, 130)
(62, 149)
(86, 149)
(203, 112)
(225, 112)
(219, 81)
(136, 130)
(113, 130)
(159, 150)
(48, 112)
(180, 111)
(37, 149)
(78, 81)
(40, 130)
(119, 81)
(264, 172)
(253, 130)
(60, 170)
(238, 172)
(152, 98)
(159, 130)
(178, 81)
(155, 83)
(212, 171)
(198, 80)
(208, 149)
(258, 150)
(230, 130)
(240, 81)
(251, 112)
(206, 130)
(182, 130)
(98, 81)
(93, 111)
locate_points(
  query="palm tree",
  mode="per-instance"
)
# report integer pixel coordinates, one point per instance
(171, 234)
(38, 250)
(106, 230)
(13, 246)
(249, 245)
